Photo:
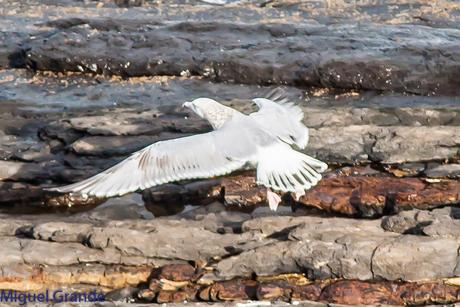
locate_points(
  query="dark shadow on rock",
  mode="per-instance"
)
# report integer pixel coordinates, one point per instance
(129, 3)
(417, 229)
(17, 59)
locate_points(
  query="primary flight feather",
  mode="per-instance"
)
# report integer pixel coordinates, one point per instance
(262, 140)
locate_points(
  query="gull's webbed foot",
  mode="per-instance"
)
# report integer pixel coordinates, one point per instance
(273, 200)
(298, 194)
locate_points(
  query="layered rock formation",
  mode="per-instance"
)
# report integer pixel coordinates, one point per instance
(216, 255)
(84, 84)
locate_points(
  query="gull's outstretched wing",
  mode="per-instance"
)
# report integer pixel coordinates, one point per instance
(282, 118)
(199, 156)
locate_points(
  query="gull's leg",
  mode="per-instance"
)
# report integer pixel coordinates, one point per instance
(273, 200)
(298, 193)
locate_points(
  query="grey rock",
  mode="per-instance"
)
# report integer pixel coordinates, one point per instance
(410, 169)
(76, 250)
(315, 57)
(127, 294)
(414, 258)
(437, 223)
(363, 115)
(342, 143)
(61, 232)
(10, 49)
(109, 146)
(166, 241)
(10, 252)
(411, 221)
(402, 144)
(18, 192)
(64, 254)
(443, 228)
(57, 253)
(61, 132)
(443, 170)
(120, 124)
(27, 171)
(11, 226)
(314, 247)
(387, 145)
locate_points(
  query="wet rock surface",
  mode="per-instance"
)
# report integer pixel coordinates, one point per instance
(85, 83)
(314, 52)
(248, 54)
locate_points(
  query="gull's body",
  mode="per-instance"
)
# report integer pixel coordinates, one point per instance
(261, 140)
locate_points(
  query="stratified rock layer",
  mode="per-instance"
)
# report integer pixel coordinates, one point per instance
(385, 57)
(272, 257)
(383, 113)
(359, 195)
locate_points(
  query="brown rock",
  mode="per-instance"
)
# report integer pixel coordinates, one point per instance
(443, 170)
(232, 290)
(185, 294)
(241, 190)
(429, 196)
(117, 276)
(306, 292)
(406, 169)
(292, 278)
(352, 292)
(205, 294)
(155, 285)
(360, 292)
(368, 196)
(452, 293)
(349, 292)
(70, 200)
(288, 290)
(176, 272)
(146, 295)
(273, 291)
(375, 196)
(33, 278)
(428, 293)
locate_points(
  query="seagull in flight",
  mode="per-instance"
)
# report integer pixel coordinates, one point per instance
(262, 140)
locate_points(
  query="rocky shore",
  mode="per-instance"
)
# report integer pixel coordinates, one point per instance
(85, 83)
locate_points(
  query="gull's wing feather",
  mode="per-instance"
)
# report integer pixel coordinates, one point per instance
(282, 118)
(199, 156)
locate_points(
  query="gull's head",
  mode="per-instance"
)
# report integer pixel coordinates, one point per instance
(215, 113)
(200, 106)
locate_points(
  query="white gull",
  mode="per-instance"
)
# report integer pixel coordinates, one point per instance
(260, 140)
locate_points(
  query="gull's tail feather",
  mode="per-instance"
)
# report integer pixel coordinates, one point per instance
(284, 169)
